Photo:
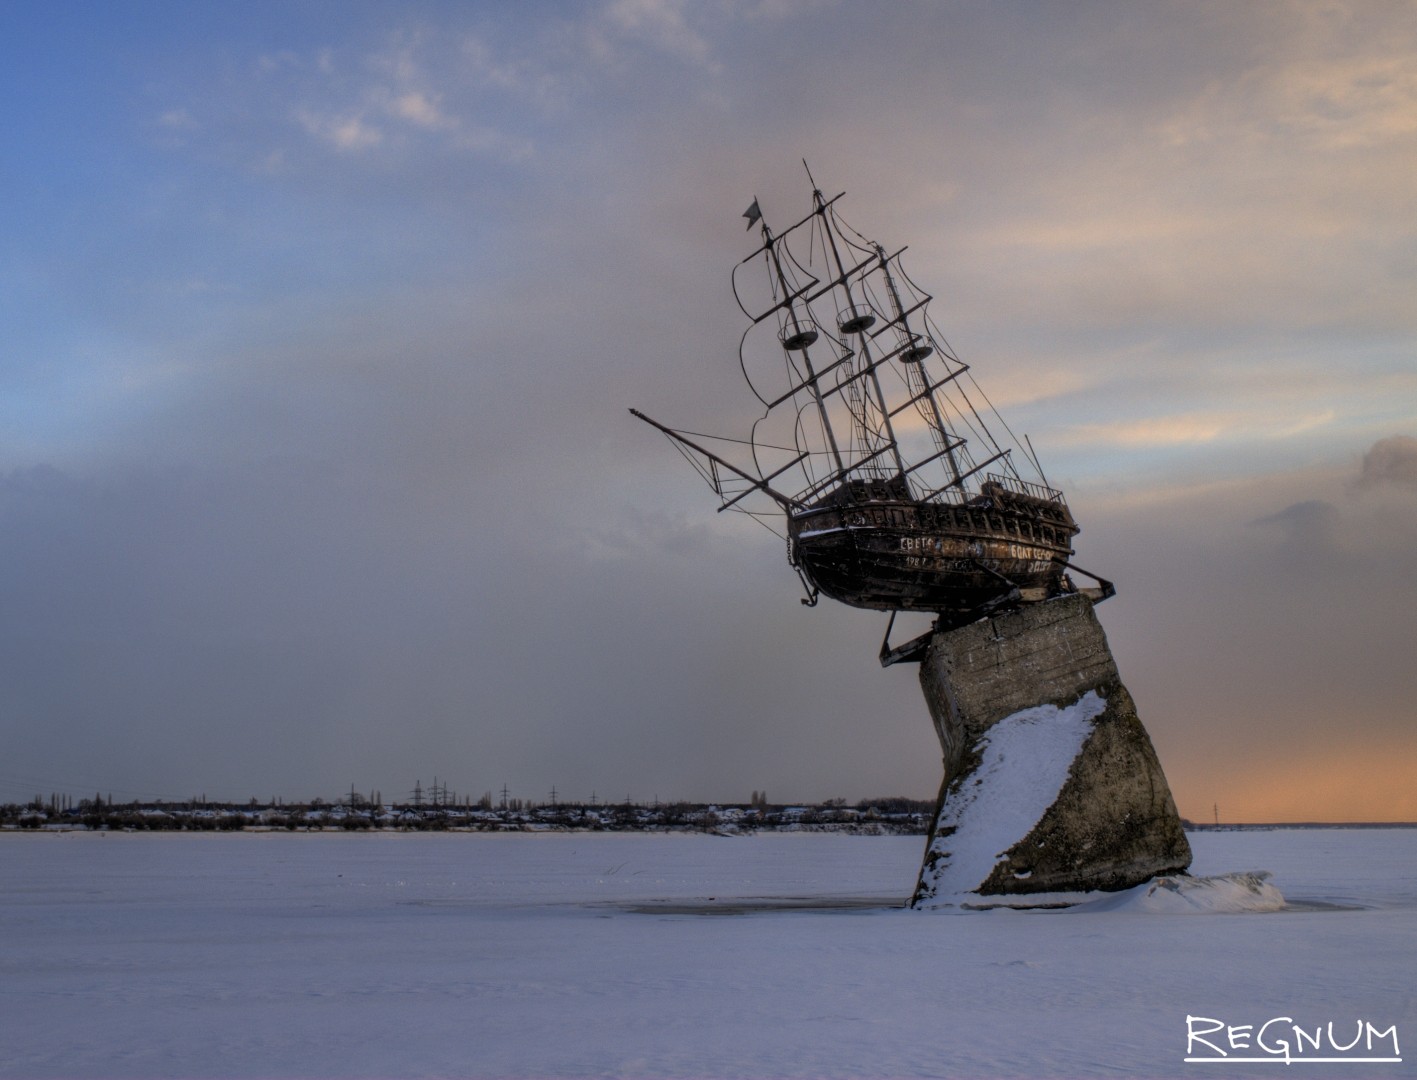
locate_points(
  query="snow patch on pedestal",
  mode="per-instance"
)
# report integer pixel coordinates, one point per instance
(1025, 759)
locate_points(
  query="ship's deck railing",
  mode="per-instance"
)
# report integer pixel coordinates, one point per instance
(953, 496)
(949, 496)
(1024, 487)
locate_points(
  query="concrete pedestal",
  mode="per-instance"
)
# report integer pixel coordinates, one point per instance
(1051, 783)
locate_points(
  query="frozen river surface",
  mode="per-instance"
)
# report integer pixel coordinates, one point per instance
(567, 955)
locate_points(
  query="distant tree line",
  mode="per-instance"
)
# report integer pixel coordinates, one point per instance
(424, 812)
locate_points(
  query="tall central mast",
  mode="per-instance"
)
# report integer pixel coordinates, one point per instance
(798, 339)
(858, 321)
(913, 359)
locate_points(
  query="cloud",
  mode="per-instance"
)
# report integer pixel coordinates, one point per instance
(1162, 431)
(418, 108)
(1378, 517)
(177, 120)
(408, 87)
(1311, 528)
(663, 24)
(1331, 78)
(351, 131)
(1166, 431)
(1325, 103)
(538, 73)
(1391, 461)
(1223, 192)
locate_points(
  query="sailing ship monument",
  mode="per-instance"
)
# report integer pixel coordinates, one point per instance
(880, 462)
(871, 458)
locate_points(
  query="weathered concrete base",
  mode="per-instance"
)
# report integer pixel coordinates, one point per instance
(1051, 783)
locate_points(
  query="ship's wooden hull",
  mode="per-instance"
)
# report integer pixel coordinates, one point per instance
(901, 555)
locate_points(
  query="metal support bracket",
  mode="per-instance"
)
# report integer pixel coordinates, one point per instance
(1104, 590)
(912, 652)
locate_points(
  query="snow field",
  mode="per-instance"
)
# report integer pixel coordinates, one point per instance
(325, 955)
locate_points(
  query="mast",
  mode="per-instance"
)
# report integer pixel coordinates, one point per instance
(800, 340)
(913, 360)
(858, 321)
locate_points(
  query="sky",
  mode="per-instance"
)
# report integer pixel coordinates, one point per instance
(322, 320)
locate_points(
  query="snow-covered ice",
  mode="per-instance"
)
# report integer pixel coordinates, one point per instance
(578, 955)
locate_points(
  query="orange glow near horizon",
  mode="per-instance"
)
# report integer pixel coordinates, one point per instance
(1355, 784)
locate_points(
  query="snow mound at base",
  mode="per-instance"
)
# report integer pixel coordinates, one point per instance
(1224, 894)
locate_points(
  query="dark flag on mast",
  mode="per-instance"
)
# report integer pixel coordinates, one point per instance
(752, 213)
